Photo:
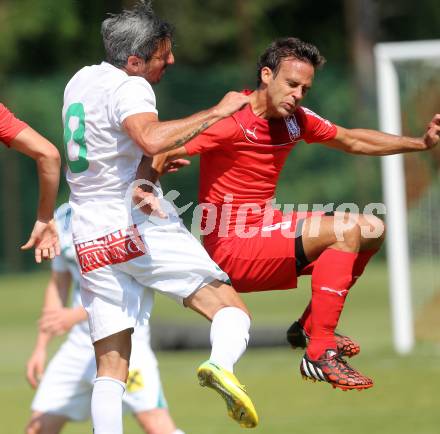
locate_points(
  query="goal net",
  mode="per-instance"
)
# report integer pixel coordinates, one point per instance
(408, 77)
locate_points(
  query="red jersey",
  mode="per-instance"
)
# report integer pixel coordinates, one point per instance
(243, 156)
(10, 126)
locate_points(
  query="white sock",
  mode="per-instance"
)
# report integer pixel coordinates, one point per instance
(107, 405)
(178, 431)
(229, 336)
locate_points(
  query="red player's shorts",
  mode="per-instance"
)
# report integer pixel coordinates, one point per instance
(263, 262)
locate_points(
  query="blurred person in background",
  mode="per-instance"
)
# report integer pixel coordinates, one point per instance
(262, 248)
(110, 122)
(19, 136)
(65, 389)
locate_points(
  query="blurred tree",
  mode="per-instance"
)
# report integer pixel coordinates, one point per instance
(362, 22)
(33, 32)
(56, 35)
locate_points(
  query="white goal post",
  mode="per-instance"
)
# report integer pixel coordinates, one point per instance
(386, 55)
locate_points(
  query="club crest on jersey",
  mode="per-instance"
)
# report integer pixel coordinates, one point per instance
(292, 127)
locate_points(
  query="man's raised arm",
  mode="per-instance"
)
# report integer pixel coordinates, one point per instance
(155, 137)
(371, 142)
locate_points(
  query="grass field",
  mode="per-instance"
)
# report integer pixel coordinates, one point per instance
(405, 399)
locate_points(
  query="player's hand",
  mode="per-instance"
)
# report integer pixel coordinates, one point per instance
(174, 165)
(169, 162)
(57, 322)
(432, 135)
(148, 203)
(230, 103)
(44, 238)
(35, 367)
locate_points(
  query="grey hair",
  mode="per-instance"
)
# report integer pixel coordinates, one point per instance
(135, 32)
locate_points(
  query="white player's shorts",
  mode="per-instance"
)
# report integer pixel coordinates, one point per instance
(120, 274)
(66, 387)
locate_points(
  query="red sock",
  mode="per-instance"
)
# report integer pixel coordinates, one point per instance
(332, 278)
(306, 319)
(359, 266)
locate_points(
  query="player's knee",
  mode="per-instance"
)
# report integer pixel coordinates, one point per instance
(111, 364)
(213, 297)
(113, 355)
(352, 237)
(372, 231)
(348, 234)
(112, 361)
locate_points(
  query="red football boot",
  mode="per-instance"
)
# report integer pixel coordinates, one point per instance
(333, 369)
(298, 338)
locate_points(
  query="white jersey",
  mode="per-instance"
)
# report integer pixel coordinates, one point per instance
(67, 262)
(102, 158)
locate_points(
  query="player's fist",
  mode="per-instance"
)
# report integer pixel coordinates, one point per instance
(230, 103)
(432, 135)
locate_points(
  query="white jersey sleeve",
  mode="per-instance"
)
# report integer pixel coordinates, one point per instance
(132, 97)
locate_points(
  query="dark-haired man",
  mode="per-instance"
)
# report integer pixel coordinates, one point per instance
(110, 122)
(263, 249)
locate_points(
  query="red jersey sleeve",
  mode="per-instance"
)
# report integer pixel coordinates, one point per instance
(215, 136)
(315, 128)
(10, 126)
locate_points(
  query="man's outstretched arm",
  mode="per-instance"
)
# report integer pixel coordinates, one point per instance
(371, 142)
(155, 137)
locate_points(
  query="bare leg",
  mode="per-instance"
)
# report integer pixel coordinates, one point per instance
(156, 421)
(45, 423)
(356, 232)
(211, 298)
(113, 354)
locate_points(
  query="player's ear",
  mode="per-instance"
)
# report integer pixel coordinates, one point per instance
(133, 65)
(266, 75)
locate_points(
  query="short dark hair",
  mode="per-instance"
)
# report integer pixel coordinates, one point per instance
(135, 32)
(283, 48)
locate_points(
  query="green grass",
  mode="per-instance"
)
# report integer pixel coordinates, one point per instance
(403, 401)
